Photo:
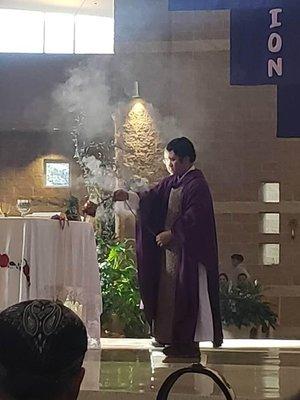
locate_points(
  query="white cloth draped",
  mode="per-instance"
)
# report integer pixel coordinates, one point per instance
(63, 265)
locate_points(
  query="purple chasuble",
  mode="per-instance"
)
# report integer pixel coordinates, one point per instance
(194, 230)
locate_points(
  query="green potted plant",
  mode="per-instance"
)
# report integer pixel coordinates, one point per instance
(244, 311)
(121, 298)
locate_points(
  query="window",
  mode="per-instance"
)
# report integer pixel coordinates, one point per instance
(57, 174)
(59, 33)
(21, 31)
(37, 32)
(271, 192)
(270, 223)
(94, 35)
(271, 254)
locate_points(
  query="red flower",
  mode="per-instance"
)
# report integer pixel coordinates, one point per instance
(4, 260)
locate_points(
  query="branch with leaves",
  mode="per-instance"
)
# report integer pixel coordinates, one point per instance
(243, 305)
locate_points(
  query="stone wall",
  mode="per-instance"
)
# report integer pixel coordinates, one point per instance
(22, 156)
(181, 61)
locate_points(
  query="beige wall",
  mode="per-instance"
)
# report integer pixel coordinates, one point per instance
(22, 156)
(182, 63)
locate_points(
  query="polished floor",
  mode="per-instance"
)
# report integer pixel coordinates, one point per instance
(131, 369)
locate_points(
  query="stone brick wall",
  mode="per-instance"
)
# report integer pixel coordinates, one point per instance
(181, 61)
(22, 156)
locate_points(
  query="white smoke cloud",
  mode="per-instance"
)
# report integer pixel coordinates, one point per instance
(99, 176)
(88, 90)
(167, 127)
(86, 93)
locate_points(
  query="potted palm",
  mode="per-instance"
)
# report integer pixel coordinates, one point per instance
(243, 310)
(121, 299)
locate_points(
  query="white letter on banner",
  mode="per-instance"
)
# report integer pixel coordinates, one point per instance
(274, 42)
(275, 66)
(274, 14)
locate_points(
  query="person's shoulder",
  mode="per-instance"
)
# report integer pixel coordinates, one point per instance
(167, 180)
(240, 269)
(196, 183)
(196, 177)
(164, 182)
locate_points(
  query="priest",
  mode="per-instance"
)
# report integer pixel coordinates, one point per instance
(177, 255)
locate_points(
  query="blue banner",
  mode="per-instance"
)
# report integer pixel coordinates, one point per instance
(264, 50)
(288, 114)
(189, 5)
(264, 47)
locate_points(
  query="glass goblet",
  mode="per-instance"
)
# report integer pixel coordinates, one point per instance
(23, 206)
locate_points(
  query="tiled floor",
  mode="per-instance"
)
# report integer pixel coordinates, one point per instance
(128, 369)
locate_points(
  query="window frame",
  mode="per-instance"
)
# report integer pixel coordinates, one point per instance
(56, 161)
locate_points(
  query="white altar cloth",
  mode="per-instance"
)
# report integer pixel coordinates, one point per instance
(62, 265)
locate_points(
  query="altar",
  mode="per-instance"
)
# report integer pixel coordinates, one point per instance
(40, 258)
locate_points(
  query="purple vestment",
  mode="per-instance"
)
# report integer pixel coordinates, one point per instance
(195, 232)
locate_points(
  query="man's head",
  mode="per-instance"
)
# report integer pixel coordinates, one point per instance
(179, 156)
(236, 259)
(223, 278)
(242, 278)
(42, 346)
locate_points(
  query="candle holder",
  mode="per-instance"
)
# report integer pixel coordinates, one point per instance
(5, 209)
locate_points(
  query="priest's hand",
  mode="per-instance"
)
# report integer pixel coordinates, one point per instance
(120, 195)
(164, 238)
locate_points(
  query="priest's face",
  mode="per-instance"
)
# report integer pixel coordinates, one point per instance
(176, 165)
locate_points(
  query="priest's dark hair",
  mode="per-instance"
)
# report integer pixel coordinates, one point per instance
(42, 347)
(182, 147)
